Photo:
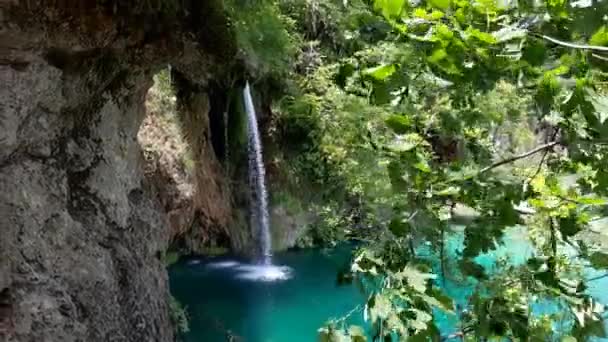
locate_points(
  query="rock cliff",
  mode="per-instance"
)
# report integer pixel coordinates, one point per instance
(82, 230)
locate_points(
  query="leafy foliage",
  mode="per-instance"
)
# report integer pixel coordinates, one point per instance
(263, 35)
(412, 109)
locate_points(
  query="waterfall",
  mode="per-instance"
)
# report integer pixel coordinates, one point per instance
(259, 200)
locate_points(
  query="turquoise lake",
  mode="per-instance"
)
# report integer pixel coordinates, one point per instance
(223, 302)
(259, 311)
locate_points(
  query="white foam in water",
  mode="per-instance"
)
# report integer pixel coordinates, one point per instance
(267, 273)
(222, 264)
(253, 272)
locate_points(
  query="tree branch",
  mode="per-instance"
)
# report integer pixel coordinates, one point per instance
(542, 160)
(605, 275)
(576, 46)
(600, 57)
(524, 211)
(520, 156)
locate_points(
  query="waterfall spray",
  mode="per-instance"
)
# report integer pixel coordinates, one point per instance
(259, 200)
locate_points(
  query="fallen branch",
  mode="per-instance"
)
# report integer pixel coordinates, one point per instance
(520, 156)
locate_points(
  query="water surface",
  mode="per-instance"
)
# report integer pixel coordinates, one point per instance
(226, 296)
(223, 298)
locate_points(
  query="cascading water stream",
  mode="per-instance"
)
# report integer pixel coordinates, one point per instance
(259, 200)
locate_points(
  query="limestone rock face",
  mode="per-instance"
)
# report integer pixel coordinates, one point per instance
(80, 238)
(81, 232)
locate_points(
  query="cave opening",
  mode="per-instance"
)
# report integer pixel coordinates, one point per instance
(218, 109)
(6, 311)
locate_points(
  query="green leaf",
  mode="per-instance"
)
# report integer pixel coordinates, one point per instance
(600, 104)
(420, 13)
(403, 145)
(444, 33)
(423, 165)
(599, 260)
(444, 214)
(471, 268)
(441, 4)
(438, 55)
(589, 328)
(568, 338)
(380, 72)
(396, 176)
(381, 94)
(366, 262)
(324, 334)
(338, 336)
(394, 323)
(534, 52)
(421, 321)
(436, 15)
(357, 334)
(600, 37)
(380, 308)
(414, 278)
(406, 142)
(448, 66)
(465, 173)
(399, 124)
(389, 8)
(447, 304)
(431, 333)
(588, 313)
(449, 191)
(569, 226)
(592, 201)
(345, 71)
(399, 227)
(479, 35)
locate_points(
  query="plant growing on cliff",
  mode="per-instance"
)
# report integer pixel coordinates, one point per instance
(179, 316)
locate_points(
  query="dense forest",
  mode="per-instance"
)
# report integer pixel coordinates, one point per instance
(414, 119)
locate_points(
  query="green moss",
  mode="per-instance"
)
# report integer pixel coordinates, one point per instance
(170, 258)
(291, 203)
(214, 250)
(188, 161)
